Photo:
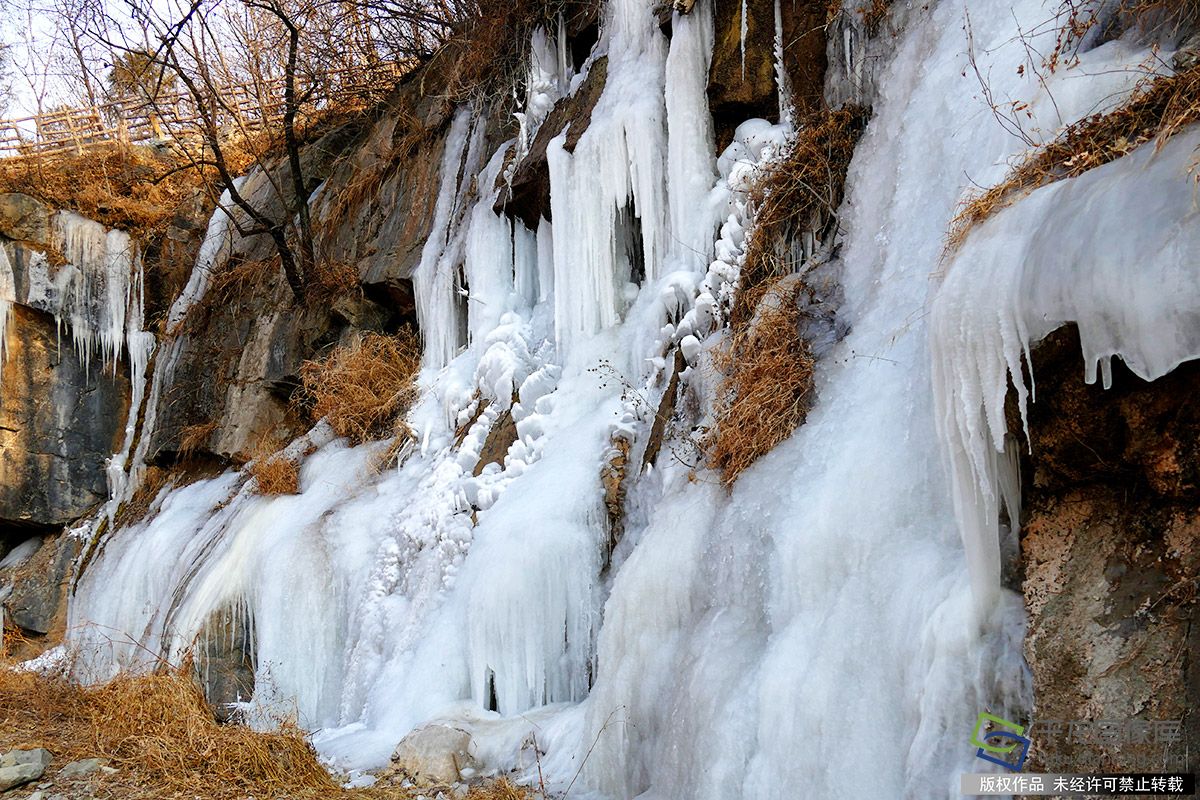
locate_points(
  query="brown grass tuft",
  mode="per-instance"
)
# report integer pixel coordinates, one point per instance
(275, 474)
(331, 280)
(194, 437)
(800, 191)
(365, 388)
(1158, 109)
(768, 383)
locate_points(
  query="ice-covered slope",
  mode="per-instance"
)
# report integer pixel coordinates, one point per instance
(812, 633)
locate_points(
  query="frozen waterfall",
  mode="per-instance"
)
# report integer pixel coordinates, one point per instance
(832, 625)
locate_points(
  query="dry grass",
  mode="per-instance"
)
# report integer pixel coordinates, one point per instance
(158, 730)
(232, 285)
(1159, 108)
(768, 384)
(193, 438)
(273, 472)
(162, 736)
(364, 389)
(240, 278)
(331, 280)
(799, 191)
(125, 187)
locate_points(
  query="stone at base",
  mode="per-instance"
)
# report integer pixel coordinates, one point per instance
(435, 754)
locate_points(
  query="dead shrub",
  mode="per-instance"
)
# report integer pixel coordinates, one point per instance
(767, 386)
(365, 388)
(1158, 109)
(239, 278)
(797, 192)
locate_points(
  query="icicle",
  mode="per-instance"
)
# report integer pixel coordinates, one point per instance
(615, 173)
(1009, 286)
(783, 85)
(743, 27)
(433, 279)
(691, 164)
(8, 296)
(487, 250)
(213, 251)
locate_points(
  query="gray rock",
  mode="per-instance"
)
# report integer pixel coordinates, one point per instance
(436, 754)
(360, 313)
(226, 665)
(59, 420)
(1188, 53)
(19, 775)
(24, 217)
(39, 756)
(85, 767)
(37, 599)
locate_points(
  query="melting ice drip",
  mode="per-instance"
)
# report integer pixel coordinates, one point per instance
(758, 644)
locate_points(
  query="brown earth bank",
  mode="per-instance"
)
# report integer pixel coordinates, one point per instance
(1109, 565)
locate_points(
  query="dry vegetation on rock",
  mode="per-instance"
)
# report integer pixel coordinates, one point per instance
(767, 365)
(119, 186)
(799, 191)
(273, 471)
(768, 383)
(1159, 108)
(365, 388)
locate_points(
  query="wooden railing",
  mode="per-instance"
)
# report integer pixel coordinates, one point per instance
(236, 110)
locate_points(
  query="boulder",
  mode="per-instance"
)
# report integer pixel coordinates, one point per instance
(37, 600)
(85, 767)
(39, 756)
(18, 775)
(19, 767)
(24, 218)
(435, 754)
(1109, 558)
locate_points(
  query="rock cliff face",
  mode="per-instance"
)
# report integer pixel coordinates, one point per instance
(1110, 560)
(59, 423)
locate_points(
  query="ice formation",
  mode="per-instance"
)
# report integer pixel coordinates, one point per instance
(813, 626)
(1064, 254)
(96, 295)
